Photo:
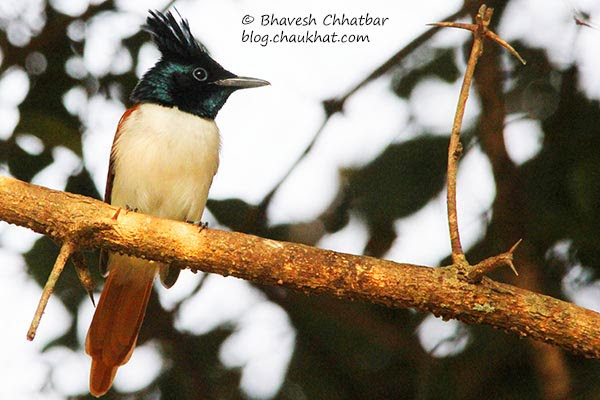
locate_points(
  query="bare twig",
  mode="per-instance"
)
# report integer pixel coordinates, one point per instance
(476, 273)
(66, 250)
(480, 32)
(454, 149)
(506, 45)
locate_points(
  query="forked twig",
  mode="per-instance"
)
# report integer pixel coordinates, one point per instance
(480, 32)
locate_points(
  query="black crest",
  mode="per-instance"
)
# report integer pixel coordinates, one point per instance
(173, 38)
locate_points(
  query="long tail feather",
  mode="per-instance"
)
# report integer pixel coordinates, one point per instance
(118, 318)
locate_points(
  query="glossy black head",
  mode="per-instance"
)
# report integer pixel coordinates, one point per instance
(186, 76)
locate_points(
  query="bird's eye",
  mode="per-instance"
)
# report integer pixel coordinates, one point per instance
(200, 74)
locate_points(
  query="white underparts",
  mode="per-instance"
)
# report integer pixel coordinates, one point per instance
(165, 160)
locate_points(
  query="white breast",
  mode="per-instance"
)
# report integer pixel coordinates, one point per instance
(165, 160)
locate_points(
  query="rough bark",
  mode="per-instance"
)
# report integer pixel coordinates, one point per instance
(443, 291)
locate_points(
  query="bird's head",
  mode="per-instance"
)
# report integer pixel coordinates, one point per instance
(186, 76)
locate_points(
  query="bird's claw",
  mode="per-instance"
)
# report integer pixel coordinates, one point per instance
(200, 224)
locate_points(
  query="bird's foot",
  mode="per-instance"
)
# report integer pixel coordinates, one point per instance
(201, 225)
(130, 208)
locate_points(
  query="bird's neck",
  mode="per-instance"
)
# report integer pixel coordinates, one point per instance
(160, 86)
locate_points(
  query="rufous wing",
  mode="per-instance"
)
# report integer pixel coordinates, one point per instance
(110, 179)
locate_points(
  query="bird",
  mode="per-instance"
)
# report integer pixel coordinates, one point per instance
(163, 159)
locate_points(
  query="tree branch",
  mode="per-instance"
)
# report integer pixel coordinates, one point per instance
(90, 224)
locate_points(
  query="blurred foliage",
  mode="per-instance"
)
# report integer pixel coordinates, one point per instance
(347, 350)
(439, 63)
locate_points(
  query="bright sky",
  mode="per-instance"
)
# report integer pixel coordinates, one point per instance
(263, 131)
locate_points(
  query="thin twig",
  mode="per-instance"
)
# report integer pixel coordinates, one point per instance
(66, 250)
(503, 43)
(480, 32)
(454, 149)
(484, 267)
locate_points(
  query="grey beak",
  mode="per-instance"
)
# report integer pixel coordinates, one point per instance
(241, 82)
